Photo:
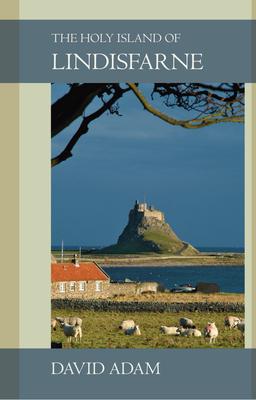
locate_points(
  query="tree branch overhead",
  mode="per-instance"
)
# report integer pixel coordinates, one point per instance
(209, 103)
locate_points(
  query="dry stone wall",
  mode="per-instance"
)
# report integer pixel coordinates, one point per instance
(97, 305)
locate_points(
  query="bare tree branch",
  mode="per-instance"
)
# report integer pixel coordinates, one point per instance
(212, 103)
(72, 105)
(66, 153)
(194, 123)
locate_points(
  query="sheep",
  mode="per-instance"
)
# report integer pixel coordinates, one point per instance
(188, 332)
(71, 331)
(53, 324)
(128, 324)
(133, 331)
(241, 327)
(187, 323)
(70, 321)
(60, 319)
(211, 332)
(168, 330)
(230, 321)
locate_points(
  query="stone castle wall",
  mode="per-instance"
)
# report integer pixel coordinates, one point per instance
(151, 212)
(154, 214)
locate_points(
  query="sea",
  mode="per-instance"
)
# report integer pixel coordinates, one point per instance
(229, 279)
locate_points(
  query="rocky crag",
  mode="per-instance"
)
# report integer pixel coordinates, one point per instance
(147, 231)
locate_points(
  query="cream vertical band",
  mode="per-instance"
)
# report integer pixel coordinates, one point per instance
(35, 215)
(253, 219)
(253, 197)
(248, 214)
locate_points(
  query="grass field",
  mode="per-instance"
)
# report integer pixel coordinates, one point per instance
(100, 330)
(170, 297)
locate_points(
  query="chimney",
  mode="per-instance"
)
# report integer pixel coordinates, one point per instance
(75, 260)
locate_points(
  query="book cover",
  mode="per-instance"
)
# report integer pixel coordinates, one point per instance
(56, 43)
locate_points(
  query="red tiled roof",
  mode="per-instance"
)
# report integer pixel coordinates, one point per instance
(85, 272)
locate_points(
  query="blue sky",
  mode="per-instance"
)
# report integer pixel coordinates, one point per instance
(195, 177)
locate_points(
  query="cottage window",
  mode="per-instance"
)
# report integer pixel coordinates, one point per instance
(63, 287)
(98, 286)
(81, 286)
(72, 287)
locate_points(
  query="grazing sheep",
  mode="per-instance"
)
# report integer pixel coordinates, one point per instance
(211, 332)
(188, 332)
(168, 330)
(187, 323)
(70, 321)
(128, 324)
(230, 322)
(241, 327)
(241, 319)
(133, 331)
(53, 324)
(60, 319)
(72, 331)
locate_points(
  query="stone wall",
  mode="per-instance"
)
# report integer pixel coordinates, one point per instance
(116, 288)
(108, 289)
(97, 305)
(154, 214)
(89, 291)
(151, 212)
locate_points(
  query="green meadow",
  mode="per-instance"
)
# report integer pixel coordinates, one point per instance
(100, 330)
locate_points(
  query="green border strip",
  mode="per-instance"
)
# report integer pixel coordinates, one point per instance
(133, 9)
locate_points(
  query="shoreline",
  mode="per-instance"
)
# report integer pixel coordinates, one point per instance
(167, 262)
(204, 260)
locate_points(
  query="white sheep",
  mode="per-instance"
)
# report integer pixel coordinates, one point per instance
(231, 322)
(70, 321)
(60, 319)
(133, 331)
(127, 324)
(168, 330)
(211, 332)
(72, 331)
(188, 332)
(187, 323)
(53, 324)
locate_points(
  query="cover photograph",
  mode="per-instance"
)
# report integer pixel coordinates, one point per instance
(127, 203)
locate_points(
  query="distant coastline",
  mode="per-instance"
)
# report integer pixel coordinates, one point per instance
(184, 262)
(202, 249)
(203, 260)
(209, 256)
